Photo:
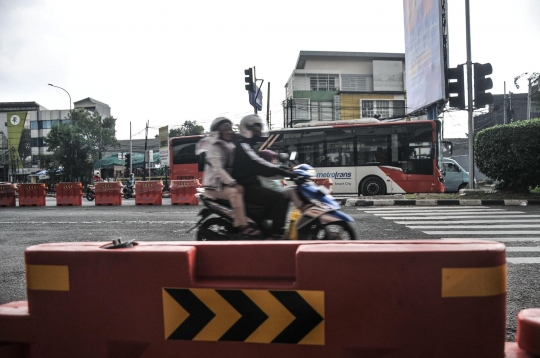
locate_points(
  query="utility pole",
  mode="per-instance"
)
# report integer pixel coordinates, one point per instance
(529, 99)
(470, 95)
(145, 146)
(130, 151)
(268, 107)
(504, 103)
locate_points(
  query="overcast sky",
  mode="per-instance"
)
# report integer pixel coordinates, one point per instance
(167, 61)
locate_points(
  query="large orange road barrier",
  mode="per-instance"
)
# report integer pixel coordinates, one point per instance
(149, 192)
(32, 194)
(183, 192)
(528, 331)
(68, 194)
(108, 193)
(8, 193)
(444, 298)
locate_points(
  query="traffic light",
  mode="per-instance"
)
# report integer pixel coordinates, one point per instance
(482, 84)
(249, 79)
(128, 161)
(456, 88)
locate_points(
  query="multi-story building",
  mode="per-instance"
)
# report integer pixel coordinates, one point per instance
(329, 86)
(40, 120)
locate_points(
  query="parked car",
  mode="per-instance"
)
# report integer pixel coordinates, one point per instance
(456, 177)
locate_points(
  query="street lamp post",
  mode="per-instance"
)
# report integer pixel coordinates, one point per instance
(72, 157)
(66, 92)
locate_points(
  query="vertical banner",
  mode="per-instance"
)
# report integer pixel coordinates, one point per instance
(424, 58)
(164, 146)
(15, 126)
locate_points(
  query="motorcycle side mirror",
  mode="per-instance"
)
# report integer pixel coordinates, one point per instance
(293, 155)
(283, 157)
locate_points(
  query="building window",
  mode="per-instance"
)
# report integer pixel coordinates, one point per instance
(384, 108)
(321, 82)
(301, 109)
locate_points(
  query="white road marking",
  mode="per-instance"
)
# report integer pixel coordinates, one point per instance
(483, 232)
(500, 239)
(523, 260)
(494, 221)
(509, 226)
(426, 212)
(426, 208)
(523, 249)
(461, 213)
(453, 217)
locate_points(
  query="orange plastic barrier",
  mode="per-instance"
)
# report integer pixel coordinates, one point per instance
(32, 194)
(149, 192)
(433, 298)
(183, 192)
(8, 192)
(69, 194)
(326, 182)
(528, 331)
(108, 193)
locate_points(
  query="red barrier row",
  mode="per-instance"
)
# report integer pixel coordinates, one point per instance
(69, 194)
(149, 192)
(440, 298)
(8, 193)
(108, 193)
(183, 192)
(32, 194)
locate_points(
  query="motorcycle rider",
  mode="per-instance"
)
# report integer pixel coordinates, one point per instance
(248, 165)
(131, 183)
(217, 182)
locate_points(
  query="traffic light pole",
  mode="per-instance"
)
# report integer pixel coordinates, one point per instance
(470, 96)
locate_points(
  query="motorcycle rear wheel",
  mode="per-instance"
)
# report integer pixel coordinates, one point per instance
(339, 230)
(90, 196)
(214, 229)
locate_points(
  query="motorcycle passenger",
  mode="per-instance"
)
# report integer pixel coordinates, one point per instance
(248, 166)
(217, 182)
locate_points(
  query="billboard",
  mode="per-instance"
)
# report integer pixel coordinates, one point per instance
(15, 126)
(164, 146)
(424, 56)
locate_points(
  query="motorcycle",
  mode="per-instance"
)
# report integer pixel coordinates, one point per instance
(128, 192)
(89, 193)
(319, 214)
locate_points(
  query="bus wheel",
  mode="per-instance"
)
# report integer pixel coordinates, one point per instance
(372, 186)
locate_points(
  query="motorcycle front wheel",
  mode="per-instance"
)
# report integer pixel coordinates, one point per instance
(90, 196)
(339, 230)
(214, 229)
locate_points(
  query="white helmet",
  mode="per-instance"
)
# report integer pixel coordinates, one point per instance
(247, 123)
(96, 172)
(132, 175)
(217, 122)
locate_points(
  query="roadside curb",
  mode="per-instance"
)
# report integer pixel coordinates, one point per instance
(434, 202)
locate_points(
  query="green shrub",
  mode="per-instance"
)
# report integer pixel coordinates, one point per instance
(510, 154)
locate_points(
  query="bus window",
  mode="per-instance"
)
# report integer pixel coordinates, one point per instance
(184, 151)
(372, 150)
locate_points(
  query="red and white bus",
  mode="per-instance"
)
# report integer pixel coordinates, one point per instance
(364, 156)
(367, 156)
(184, 163)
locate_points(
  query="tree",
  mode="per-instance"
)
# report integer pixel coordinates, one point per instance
(77, 143)
(188, 128)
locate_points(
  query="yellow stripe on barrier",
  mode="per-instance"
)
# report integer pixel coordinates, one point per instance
(473, 282)
(47, 277)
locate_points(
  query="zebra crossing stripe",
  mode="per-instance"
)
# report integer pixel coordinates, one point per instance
(453, 217)
(499, 239)
(509, 226)
(523, 249)
(495, 221)
(523, 260)
(483, 232)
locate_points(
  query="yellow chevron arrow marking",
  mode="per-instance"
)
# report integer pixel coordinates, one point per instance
(278, 316)
(315, 300)
(473, 282)
(225, 317)
(173, 314)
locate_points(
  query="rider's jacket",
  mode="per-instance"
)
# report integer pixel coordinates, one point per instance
(248, 165)
(131, 183)
(218, 165)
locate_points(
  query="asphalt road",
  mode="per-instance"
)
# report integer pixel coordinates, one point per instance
(518, 227)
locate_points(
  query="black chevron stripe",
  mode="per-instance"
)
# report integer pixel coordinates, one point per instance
(252, 315)
(199, 314)
(306, 317)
